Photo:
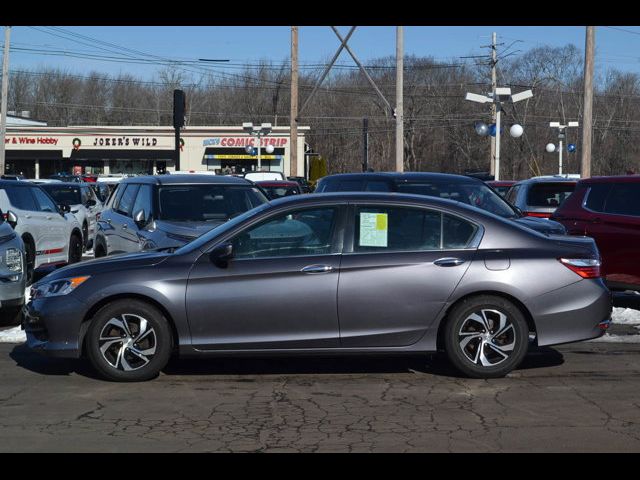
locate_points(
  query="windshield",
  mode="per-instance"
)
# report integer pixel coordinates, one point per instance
(475, 194)
(206, 203)
(278, 192)
(63, 195)
(219, 230)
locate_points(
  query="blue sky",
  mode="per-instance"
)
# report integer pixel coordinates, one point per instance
(615, 48)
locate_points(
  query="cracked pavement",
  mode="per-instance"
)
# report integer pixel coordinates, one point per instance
(580, 397)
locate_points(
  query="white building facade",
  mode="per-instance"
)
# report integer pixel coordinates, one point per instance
(40, 151)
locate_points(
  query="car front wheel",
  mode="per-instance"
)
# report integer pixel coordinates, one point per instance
(129, 341)
(486, 337)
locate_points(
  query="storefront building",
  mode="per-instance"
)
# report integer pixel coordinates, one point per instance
(40, 151)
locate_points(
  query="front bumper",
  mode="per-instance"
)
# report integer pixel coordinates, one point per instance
(53, 326)
(580, 311)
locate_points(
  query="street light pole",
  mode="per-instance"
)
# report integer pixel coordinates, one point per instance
(497, 162)
(561, 135)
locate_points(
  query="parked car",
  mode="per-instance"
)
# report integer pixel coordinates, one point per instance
(278, 189)
(84, 204)
(51, 235)
(373, 273)
(66, 177)
(501, 186)
(40, 181)
(102, 190)
(258, 176)
(305, 186)
(465, 189)
(12, 275)
(167, 211)
(540, 196)
(12, 177)
(608, 210)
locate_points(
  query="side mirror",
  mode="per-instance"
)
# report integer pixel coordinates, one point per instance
(64, 208)
(12, 219)
(221, 255)
(140, 219)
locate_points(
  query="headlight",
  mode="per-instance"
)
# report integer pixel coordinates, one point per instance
(56, 288)
(14, 260)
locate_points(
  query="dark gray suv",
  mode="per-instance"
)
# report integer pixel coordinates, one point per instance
(168, 211)
(329, 274)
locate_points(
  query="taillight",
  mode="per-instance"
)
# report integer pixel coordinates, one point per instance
(585, 267)
(537, 214)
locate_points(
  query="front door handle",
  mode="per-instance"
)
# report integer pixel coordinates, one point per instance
(317, 269)
(449, 262)
(124, 226)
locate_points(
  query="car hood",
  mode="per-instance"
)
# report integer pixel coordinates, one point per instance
(190, 230)
(542, 225)
(108, 264)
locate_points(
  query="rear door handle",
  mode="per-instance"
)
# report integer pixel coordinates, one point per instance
(317, 269)
(449, 262)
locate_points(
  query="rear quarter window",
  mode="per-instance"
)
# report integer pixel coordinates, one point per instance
(624, 199)
(596, 196)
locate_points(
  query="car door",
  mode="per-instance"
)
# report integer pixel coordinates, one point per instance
(616, 230)
(55, 247)
(278, 291)
(399, 267)
(133, 236)
(122, 221)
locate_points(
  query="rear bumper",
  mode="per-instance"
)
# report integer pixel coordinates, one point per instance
(580, 311)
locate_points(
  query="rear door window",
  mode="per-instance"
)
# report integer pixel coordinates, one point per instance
(345, 186)
(597, 195)
(624, 199)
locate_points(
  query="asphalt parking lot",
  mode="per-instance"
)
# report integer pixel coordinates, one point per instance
(579, 397)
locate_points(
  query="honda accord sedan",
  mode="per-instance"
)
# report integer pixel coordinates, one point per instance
(360, 273)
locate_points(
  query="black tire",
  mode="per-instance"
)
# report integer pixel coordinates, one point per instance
(85, 237)
(464, 345)
(10, 316)
(75, 249)
(30, 255)
(99, 249)
(158, 337)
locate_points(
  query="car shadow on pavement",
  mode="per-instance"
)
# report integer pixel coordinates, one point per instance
(34, 362)
(433, 364)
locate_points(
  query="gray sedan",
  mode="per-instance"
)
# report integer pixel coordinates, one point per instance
(354, 273)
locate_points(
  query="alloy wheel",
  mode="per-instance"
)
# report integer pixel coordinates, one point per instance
(487, 337)
(127, 342)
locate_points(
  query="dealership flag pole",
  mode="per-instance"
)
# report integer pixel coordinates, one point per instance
(5, 90)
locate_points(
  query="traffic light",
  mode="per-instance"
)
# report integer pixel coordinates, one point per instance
(179, 106)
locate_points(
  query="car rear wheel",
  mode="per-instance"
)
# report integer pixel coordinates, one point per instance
(129, 341)
(486, 337)
(85, 237)
(75, 249)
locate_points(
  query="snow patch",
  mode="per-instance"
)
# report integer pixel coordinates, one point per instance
(617, 338)
(626, 316)
(13, 335)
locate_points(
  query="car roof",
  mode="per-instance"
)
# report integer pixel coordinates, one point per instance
(64, 184)
(549, 179)
(436, 202)
(187, 180)
(276, 183)
(404, 176)
(613, 178)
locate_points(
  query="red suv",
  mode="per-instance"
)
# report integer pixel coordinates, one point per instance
(608, 209)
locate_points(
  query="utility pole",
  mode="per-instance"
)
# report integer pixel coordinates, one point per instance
(494, 84)
(365, 141)
(5, 93)
(587, 110)
(399, 113)
(293, 129)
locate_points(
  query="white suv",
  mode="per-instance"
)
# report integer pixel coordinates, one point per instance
(84, 204)
(50, 234)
